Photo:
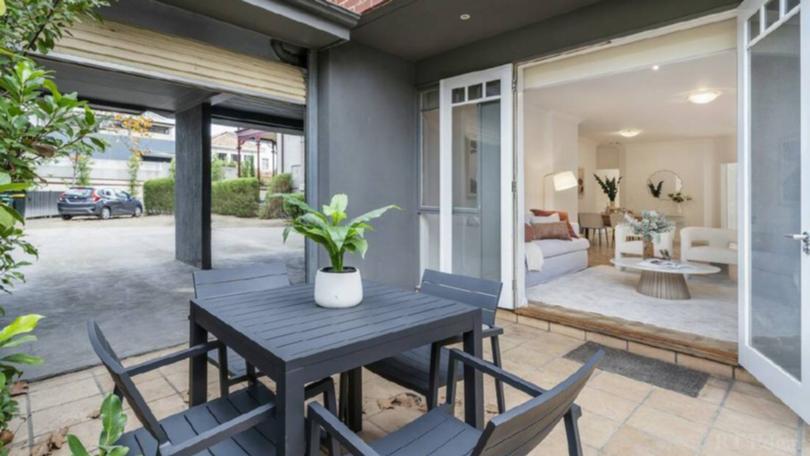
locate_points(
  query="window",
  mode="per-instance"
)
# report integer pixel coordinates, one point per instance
(222, 156)
(265, 164)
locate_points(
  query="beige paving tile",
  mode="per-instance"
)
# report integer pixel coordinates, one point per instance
(595, 430)
(651, 352)
(669, 427)
(60, 380)
(681, 405)
(629, 441)
(606, 404)
(762, 431)
(721, 443)
(567, 331)
(714, 390)
(533, 322)
(607, 341)
(621, 386)
(762, 408)
(68, 414)
(551, 373)
(705, 365)
(524, 357)
(754, 391)
(371, 431)
(88, 432)
(70, 391)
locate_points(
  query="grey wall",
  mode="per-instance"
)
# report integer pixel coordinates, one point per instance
(599, 22)
(192, 186)
(367, 148)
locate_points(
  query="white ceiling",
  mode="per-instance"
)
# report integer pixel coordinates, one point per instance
(654, 102)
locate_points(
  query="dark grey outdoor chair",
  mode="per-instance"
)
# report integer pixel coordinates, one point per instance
(241, 423)
(424, 369)
(512, 433)
(222, 282)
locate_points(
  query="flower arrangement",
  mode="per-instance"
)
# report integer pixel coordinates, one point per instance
(679, 197)
(650, 226)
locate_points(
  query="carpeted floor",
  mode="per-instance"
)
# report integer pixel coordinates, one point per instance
(712, 311)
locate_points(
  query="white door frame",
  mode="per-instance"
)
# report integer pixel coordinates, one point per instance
(794, 393)
(446, 86)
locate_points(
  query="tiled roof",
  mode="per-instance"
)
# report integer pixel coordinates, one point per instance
(357, 6)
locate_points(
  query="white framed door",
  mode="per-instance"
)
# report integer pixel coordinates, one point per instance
(774, 196)
(476, 200)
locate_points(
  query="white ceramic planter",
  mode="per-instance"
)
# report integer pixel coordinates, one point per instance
(338, 290)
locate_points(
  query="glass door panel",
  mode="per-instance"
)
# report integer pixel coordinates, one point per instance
(476, 190)
(429, 167)
(776, 206)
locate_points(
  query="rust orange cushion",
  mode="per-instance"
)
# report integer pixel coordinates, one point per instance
(556, 230)
(528, 233)
(563, 218)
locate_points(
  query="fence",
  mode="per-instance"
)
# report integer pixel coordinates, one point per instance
(41, 204)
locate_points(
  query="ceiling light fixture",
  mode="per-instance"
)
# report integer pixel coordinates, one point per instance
(465, 17)
(656, 67)
(704, 96)
(630, 132)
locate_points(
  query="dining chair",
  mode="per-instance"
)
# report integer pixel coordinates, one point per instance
(424, 369)
(593, 221)
(515, 432)
(616, 219)
(222, 282)
(240, 423)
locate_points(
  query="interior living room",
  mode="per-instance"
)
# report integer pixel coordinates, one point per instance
(630, 194)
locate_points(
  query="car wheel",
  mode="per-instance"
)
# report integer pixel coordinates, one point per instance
(138, 211)
(66, 217)
(106, 213)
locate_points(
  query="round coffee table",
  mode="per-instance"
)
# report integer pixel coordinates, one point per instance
(664, 279)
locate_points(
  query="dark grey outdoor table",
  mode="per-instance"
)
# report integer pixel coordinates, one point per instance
(288, 337)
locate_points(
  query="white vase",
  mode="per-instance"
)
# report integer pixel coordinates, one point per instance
(338, 290)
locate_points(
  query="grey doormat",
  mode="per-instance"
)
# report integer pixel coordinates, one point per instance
(664, 375)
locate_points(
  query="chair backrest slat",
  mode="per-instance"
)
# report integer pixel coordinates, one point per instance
(473, 291)
(222, 282)
(123, 382)
(518, 431)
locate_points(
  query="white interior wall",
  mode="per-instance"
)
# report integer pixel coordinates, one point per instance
(587, 162)
(551, 145)
(696, 161)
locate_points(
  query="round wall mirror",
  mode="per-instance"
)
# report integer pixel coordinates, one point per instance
(663, 182)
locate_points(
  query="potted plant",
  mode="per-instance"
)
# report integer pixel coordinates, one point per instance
(336, 286)
(650, 227)
(610, 186)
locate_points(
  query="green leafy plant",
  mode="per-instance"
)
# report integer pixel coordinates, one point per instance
(650, 226)
(217, 170)
(328, 229)
(610, 186)
(655, 189)
(82, 169)
(12, 238)
(158, 195)
(239, 197)
(12, 336)
(113, 423)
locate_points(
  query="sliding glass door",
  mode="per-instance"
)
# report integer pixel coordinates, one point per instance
(775, 279)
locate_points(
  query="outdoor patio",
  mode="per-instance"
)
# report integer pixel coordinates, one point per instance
(621, 416)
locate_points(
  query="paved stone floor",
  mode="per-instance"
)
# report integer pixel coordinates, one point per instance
(621, 417)
(122, 272)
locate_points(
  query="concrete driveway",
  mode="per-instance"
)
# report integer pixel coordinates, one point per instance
(122, 273)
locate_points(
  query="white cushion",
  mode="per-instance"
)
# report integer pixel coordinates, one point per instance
(712, 255)
(553, 218)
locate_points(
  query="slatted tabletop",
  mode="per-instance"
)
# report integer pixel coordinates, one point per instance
(288, 337)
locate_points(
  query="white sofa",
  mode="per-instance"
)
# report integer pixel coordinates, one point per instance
(708, 245)
(628, 243)
(560, 258)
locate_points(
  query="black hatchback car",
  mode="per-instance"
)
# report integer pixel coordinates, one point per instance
(103, 203)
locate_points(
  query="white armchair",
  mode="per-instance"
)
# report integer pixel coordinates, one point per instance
(628, 243)
(709, 245)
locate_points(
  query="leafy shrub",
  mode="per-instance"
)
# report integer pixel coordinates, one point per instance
(239, 197)
(113, 423)
(158, 195)
(281, 183)
(276, 207)
(217, 170)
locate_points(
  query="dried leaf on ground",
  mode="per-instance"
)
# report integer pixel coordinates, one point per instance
(53, 442)
(19, 388)
(406, 400)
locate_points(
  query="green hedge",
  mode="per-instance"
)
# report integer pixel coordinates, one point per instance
(158, 196)
(275, 208)
(239, 197)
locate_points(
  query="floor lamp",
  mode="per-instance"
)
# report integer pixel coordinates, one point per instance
(563, 180)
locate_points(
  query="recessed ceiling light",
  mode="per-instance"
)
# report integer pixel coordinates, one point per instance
(465, 17)
(656, 67)
(704, 96)
(630, 132)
